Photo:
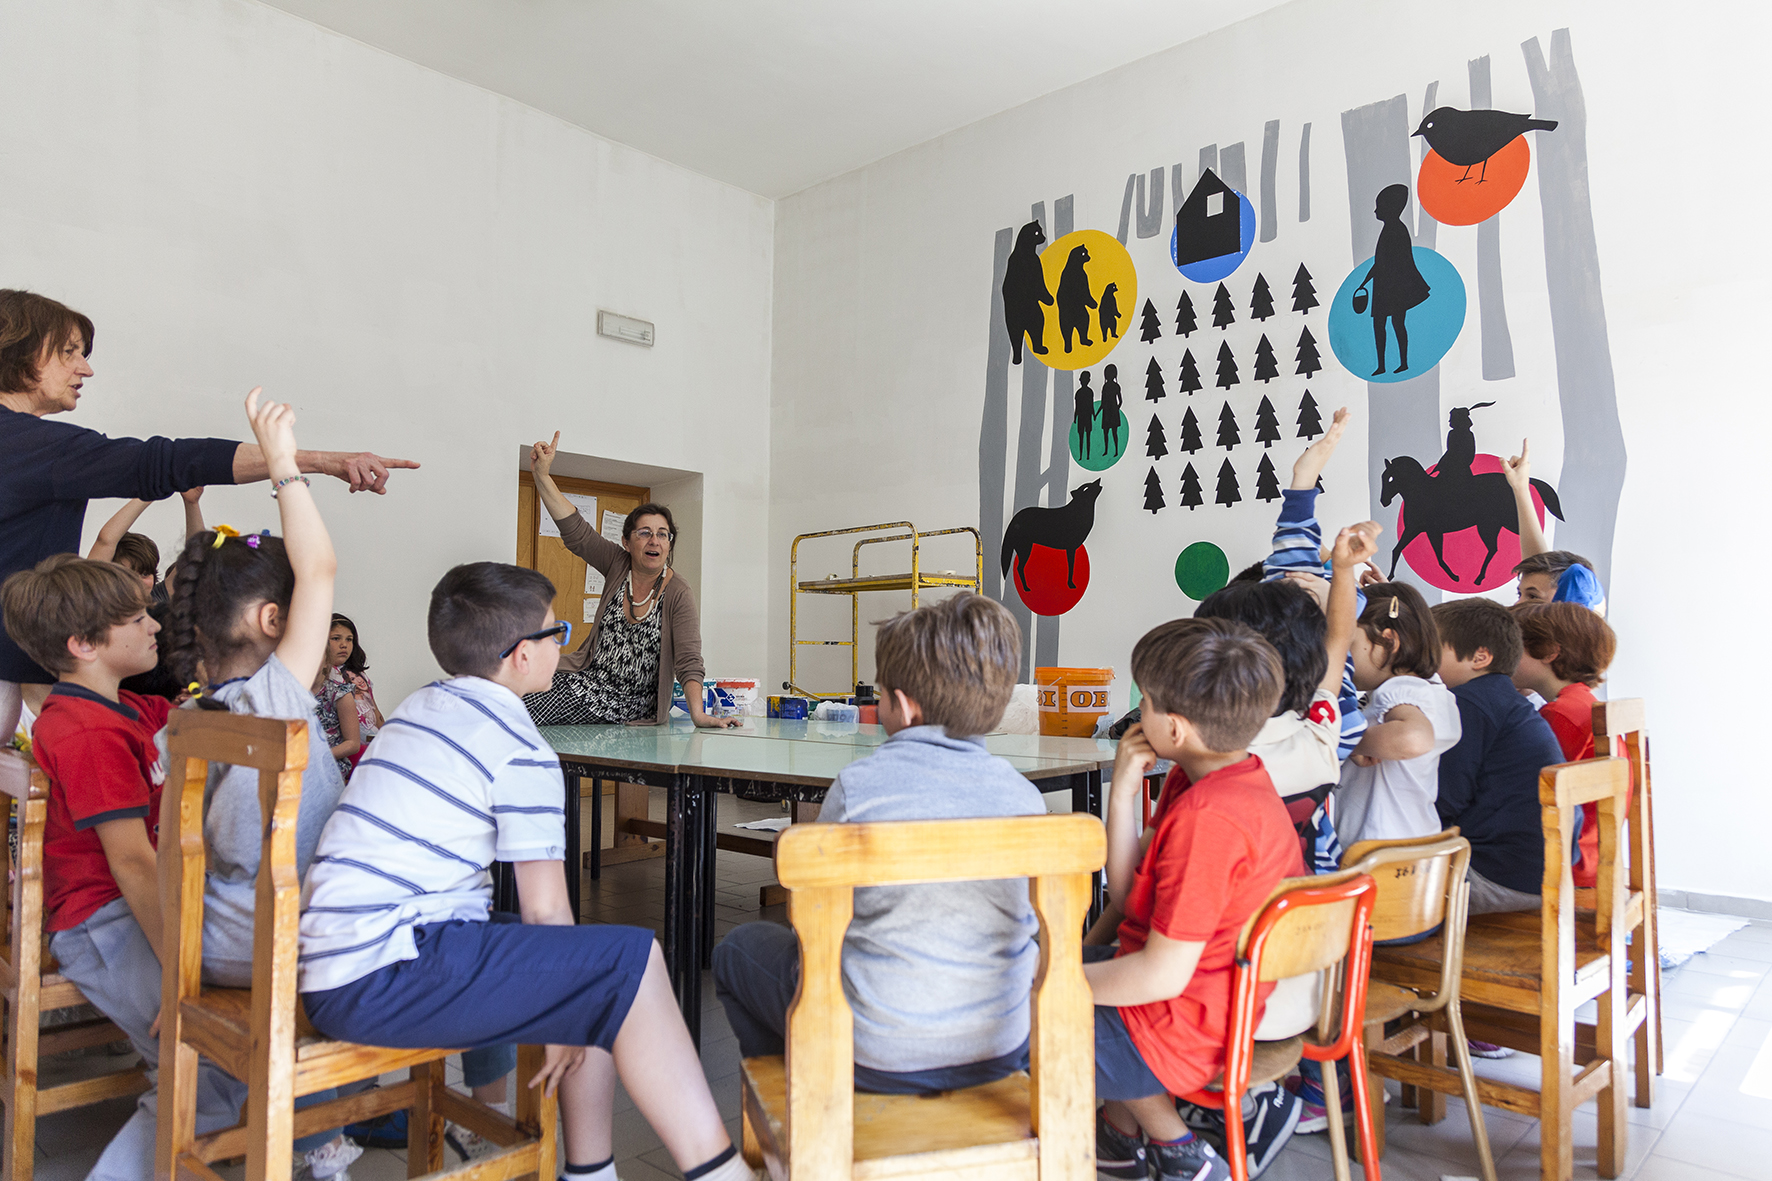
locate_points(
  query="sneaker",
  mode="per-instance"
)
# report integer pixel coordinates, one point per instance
(470, 1146)
(1192, 1160)
(384, 1131)
(1488, 1050)
(1269, 1125)
(328, 1162)
(1313, 1109)
(1205, 1122)
(1119, 1155)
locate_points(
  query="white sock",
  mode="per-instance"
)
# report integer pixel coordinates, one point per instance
(735, 1169)
(603, 1172)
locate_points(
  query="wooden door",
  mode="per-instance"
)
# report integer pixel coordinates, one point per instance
(576, 597)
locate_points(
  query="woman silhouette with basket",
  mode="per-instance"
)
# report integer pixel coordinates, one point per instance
(1396, 284)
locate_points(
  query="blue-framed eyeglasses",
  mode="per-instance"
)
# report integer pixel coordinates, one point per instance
(563, 630)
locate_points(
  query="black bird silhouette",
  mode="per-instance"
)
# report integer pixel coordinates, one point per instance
(1469, 138)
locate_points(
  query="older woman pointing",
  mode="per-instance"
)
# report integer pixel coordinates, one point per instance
(647, 629)
(52, 469)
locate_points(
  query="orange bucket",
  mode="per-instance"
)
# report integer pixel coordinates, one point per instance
(1072, 700)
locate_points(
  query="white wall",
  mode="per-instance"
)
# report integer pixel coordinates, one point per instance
(882, 320)
(238, 197)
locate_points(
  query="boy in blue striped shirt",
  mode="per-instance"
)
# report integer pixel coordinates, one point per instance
(396, 944)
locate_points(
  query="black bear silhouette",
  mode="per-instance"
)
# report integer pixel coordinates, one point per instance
(1109, 312)
(1024, 290)
(1074, 299)
(1469, 138)
(1065, 527)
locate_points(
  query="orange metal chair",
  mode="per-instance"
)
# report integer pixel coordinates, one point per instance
(1308, 924)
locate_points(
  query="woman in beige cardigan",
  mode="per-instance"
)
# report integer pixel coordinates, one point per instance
(647, 631)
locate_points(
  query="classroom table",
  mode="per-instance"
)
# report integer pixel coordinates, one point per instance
(766, 760)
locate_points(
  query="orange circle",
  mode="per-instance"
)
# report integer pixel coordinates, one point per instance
(1453, 198)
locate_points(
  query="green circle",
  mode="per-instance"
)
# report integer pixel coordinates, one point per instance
(1101, 455)
(1201, 569)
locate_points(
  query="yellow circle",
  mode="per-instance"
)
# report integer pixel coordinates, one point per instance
(1103, 262)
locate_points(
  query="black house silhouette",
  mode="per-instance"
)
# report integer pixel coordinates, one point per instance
(1209, 222)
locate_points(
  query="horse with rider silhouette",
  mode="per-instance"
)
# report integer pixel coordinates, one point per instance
(1437, 505)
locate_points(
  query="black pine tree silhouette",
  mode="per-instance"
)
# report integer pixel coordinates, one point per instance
(1261, 301)
(1227, 367)
(1190, 373)
(1190, 432)
(1153, 491)
(1223, 315)
(1148, 328)
(1228, 493)
(1310, 423)
(1304, 295)
(1190, 488)
(1267, 427)
(1267, 487)
(1154, 446)
(1184, 316)
(1153, 382)
(1227, 428)
(1308, 360)
(1265, 368)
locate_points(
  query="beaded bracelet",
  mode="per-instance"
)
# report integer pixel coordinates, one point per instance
(285, 482)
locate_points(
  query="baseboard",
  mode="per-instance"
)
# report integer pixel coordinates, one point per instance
(1747, 908)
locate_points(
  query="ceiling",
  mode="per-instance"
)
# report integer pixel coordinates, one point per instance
(773, 95)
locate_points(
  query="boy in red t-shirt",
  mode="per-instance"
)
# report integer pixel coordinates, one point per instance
(1567, 651)
(88, 623)
(1221, 842)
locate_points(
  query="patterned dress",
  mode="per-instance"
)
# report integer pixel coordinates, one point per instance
(619, 685)
(326, 708)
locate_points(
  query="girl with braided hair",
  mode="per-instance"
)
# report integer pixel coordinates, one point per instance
(253, 613)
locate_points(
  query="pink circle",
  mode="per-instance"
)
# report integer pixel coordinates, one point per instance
(1464, 550)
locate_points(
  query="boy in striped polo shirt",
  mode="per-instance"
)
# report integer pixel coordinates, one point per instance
(396, 944)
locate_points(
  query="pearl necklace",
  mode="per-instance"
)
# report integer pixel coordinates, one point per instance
(634, 608)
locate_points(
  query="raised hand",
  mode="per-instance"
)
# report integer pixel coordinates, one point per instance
(273, 425)
(192, 495)
(1519, 468)
(1355, 545)
(1310, 465)
(541, 456)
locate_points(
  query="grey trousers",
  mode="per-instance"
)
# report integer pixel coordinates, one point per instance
(1489, 897)
(110, 960)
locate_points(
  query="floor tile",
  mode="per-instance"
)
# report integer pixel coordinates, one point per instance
(1718, 1144)
(1450, 1139)
(1662, 1168)
(378, 1165)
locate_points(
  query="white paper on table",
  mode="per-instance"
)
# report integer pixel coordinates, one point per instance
(612, 523)
(586, 505)
(593, 580)
(590, 611)
(772, 824)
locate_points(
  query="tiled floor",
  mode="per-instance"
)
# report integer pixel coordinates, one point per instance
(1712, 1117)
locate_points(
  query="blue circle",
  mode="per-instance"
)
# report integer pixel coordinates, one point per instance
(1211, 270)
(1433, 325)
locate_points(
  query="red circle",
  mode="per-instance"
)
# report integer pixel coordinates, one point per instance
(1455, 196)
(1464, 550)
(1047, 592)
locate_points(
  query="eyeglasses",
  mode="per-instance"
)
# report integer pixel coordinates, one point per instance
(649, 535)
(563, 630)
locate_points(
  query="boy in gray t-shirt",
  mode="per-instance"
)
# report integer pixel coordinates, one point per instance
(938, 975)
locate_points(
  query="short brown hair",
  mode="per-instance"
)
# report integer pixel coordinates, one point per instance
(481, 608)
(1551, 562)
(957, 659)
(1469, 624)
(139, 553)
(1398, 608)
(67, 596)
(1585, 643)
(30, 326)
(1220, 675)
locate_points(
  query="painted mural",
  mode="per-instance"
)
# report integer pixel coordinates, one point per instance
(1234, 295)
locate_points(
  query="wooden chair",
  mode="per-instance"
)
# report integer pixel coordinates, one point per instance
(32, 986)
(802, 1117)
(1421, 886)
(1308, 924)
(1619, 730)
(261, 1034)
(1525, 975)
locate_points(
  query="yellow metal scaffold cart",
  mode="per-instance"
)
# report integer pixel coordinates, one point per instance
(916, 581)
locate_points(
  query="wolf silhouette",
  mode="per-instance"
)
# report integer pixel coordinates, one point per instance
(1066, 527)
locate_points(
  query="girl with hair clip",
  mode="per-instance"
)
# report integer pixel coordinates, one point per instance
(254, 613)
(1389, 784)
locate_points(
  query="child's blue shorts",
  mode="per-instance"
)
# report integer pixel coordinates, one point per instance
(1120, 1070)
(490, 984)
